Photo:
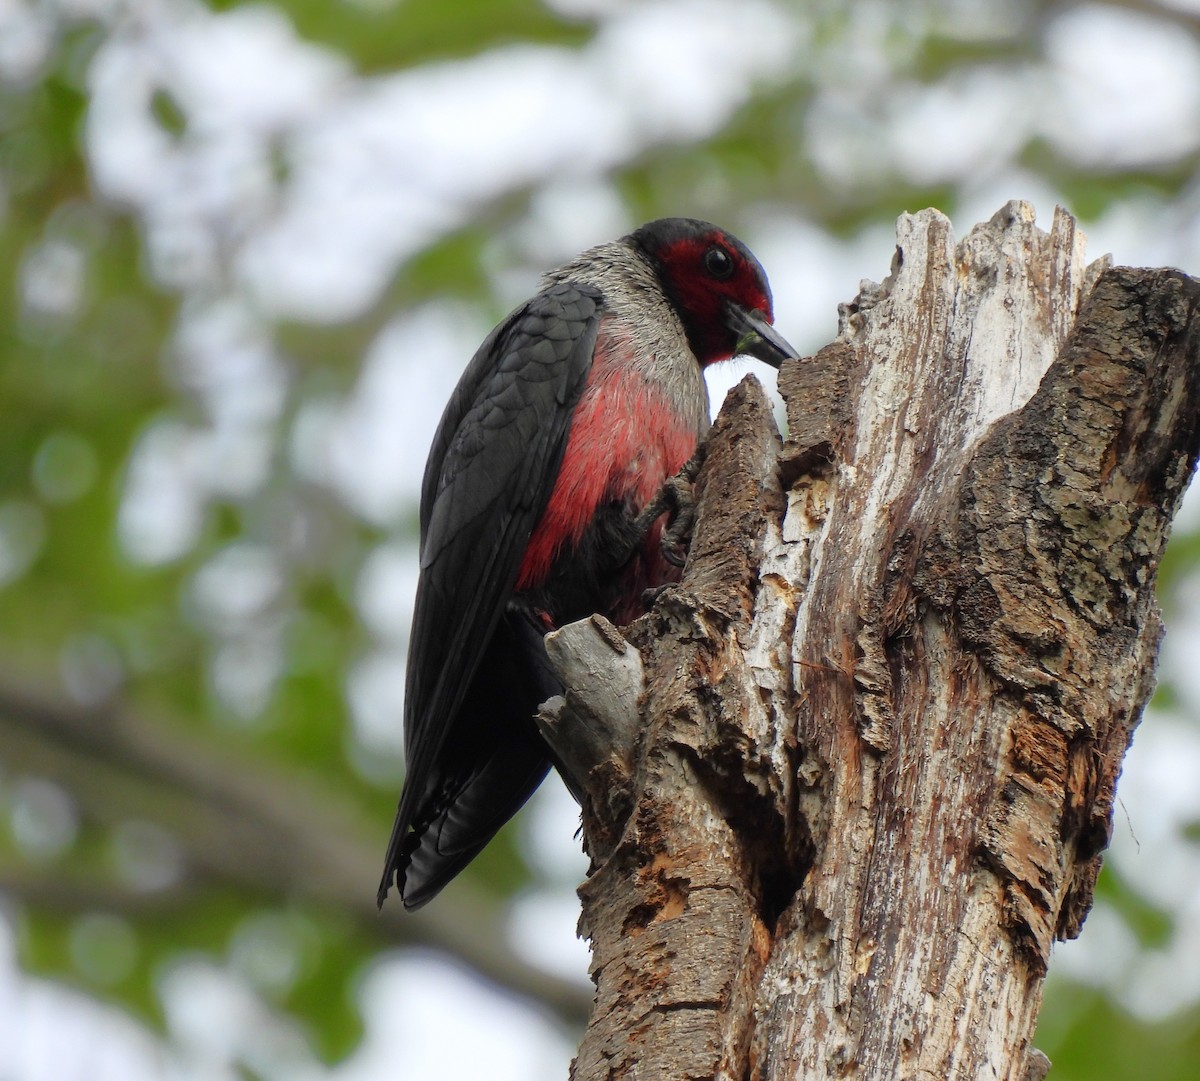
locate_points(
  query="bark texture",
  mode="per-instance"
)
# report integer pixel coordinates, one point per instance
(882, 717)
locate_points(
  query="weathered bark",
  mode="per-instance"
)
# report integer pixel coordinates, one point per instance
(883, 715)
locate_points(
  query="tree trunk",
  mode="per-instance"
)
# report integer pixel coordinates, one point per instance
(846, 784)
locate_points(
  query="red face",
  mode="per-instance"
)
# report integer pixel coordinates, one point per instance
(710, 276)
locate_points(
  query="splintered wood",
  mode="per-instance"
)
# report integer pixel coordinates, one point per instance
(871, 772)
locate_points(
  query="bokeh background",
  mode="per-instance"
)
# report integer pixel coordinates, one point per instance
(245, 250)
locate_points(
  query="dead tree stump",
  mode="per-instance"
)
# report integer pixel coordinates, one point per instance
(846, 784)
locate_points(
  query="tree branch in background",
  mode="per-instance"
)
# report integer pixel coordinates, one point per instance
(238, 823)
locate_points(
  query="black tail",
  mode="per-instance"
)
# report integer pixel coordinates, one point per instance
(489, 765)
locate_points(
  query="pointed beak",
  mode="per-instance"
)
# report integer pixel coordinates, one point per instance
(756, 337)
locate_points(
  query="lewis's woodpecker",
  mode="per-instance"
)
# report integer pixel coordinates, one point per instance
(564, 426)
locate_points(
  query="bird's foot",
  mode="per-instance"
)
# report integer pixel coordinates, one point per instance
(680, 498)
(676, 538)
(677, 500)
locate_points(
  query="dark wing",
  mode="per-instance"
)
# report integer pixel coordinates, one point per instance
(490, 473)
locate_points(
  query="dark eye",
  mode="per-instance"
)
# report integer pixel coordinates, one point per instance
(718, 262)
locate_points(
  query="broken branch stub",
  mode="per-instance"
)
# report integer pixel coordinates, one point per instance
(594, 727)
(883, 714)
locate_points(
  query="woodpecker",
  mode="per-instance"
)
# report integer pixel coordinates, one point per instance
(565, 425)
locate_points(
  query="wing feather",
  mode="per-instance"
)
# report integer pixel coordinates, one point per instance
(490, 474)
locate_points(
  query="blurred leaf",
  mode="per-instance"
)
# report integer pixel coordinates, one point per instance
(1091, 190)
(1151, 924)
(1180, 559)
(1087, 1037)
(939, 56)
(388, 34)
(168, 113)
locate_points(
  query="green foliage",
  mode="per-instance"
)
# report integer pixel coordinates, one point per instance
(1092, 191)
(1151, 924)
(382, 35)
(939, 55)
(1087, 1037)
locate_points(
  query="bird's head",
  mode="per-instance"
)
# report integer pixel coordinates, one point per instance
(718, 288)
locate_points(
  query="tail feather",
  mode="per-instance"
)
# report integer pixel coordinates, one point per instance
(491, 762)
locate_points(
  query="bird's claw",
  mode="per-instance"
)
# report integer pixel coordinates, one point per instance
(679, 500)
(676, 538)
